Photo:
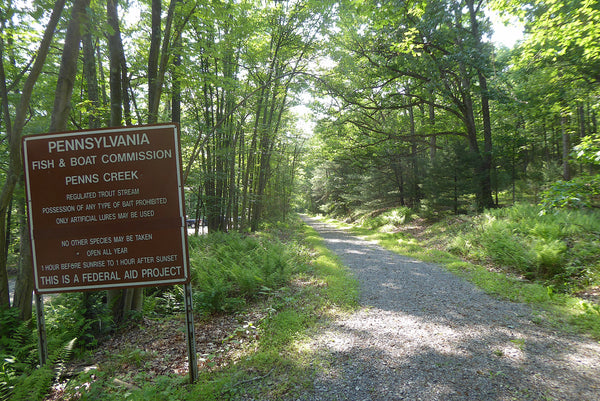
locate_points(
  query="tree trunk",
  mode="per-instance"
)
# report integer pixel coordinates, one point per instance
(566, 148)
(125, 86)
(581, 116)
(5, 217)
(248, 182)
(59, 119)
(455, 197)
(433, 138)
(121, 302)
(415, 195)
(24, 285)
(14, 139)
(8, 230)
(114, 52)
(153, 56)
(89, 71)
(158, 59)
(68, 68)
(486, 157)
(176, 78)
(93, 93)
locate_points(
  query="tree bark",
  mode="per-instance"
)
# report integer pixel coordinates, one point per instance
(486, 158)
(158, 59)
(6, 218)
(24, 285)
(115, 298)
(93, 93)
(89, 71)
(59, 119)
(153, 56)
(176, 78)
(566, 148)
(433, 138)
(415, 193)
(14, 135)
(68, 68)
(125, 86)
(121, 302)
(114, 52)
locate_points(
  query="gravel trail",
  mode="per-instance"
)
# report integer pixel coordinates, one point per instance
(424, 334)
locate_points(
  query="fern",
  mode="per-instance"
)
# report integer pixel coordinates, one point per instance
(25, 350)
(35, 386)
(17, 351)
(7, 375)
(63, 357)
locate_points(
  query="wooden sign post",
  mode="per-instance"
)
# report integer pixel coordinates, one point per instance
(107, 211)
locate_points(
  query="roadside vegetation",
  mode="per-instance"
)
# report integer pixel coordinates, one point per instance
(255, 298)
(548, 259)
(415, 107)
(258, 296)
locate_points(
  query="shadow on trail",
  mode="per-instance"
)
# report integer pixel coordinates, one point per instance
(425, 334)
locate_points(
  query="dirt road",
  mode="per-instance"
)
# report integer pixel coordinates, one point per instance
(424, 334)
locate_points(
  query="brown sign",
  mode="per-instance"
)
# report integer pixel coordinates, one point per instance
(106, 208)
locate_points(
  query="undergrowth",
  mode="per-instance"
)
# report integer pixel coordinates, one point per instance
(560, 249)
(21, 378)
(230, 269)
(517, 253)
(284, 274)
(305, 282)
(386, 220)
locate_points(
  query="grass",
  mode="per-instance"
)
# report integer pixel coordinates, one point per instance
(274, 366)
(560, 248)
(516, 254)
(286, 276)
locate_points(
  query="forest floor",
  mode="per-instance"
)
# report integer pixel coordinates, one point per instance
(421, 333)
(152, 348)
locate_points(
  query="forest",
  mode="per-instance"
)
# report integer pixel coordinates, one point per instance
(353, 109)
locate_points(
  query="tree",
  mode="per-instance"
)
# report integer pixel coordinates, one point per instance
(560, 32)
(242, 64)
(414, 55)
(247, 61)
(15, 129)
(554, 76)
(59, 119)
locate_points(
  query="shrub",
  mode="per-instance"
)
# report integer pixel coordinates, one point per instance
(582, 192)
(229, 268)
(506, 248)
(392, 217)
(551, 257)
(560, 248)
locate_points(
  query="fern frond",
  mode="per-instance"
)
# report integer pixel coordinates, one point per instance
(63, 356)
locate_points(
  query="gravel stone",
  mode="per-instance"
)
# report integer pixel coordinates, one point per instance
(422, 333)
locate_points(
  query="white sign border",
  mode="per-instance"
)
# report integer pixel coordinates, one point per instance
(180, 194)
